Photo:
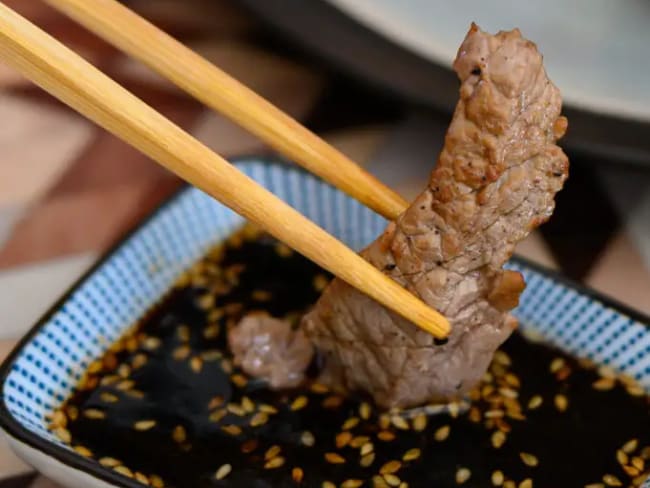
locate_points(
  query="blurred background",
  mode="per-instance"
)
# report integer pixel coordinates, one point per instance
(372, 77)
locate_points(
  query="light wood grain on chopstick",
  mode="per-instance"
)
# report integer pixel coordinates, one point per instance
(67, 76)
(134, 35)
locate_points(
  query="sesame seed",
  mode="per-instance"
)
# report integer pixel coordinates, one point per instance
(636, 391)
(384, 421)
(342, 439)
(497, 478)
(135, 394)
(217, 415)
(297, 474)
(390, 467)
(235, 409)
(123, 470)
(630, 446)
(403, 484)
(320, 282)
(494, 414)
(299, 403)
(274, 463)
(350, 423)
(334, 458)
(512, 380)
(283, 250)
(307, 439)
(94, 414)
(359, 441)
(367, 460)
(535, 402)
(367, 448)
(139, 360)
(379, 482)
(352, 483)
(179, 435)
(365, 410)
(474, 415)
(420, 422)
(83, 451)
(462, 475)
(109, 462)
(603, 384)
(319, 388)
(508, 392)
(411, 454)
(211, 355)
(498, 439)
(502, 358)
(556, 365)
(211, 331)
(268, 409)
(260, 418)
(606, 371)
(181, 352)
(196, 364)
(631, 471)
(125, 385)
(272, 451)
(442, 433)
(223, 471)
(528, 459)
(143, 425)
(561, 403)
(156, 481)
(247, 404)
(73, 412)
(95, 367)
(108, 397)
(391, 479)
(215, 402)
(239, 380)
(141, 478)
(595, 485)
(205, 302)
(621, 457)
(59, 419)
(233, 430)
(399, 422)
(527, 483)
(385, 435)
(611, 480)
(454, 409)
(183, 333)
(328, 484)
(509, 484)
(151, 343)
(63, 434)
(638, 463)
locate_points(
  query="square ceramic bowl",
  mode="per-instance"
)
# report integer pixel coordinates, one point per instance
(125, 284)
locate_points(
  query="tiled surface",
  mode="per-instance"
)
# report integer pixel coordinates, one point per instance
(68, 190)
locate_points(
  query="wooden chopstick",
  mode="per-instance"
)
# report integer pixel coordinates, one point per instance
(77, 83)
(137, 37)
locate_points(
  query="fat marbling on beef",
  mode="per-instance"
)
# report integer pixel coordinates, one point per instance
(494, 182)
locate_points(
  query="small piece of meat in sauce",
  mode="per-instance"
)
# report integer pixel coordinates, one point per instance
(271, 349)
(494, 182)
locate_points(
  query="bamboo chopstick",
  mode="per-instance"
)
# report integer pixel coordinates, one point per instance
(77, 83)
(134, 35)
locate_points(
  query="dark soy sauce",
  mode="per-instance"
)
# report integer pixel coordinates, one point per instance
(173, 409)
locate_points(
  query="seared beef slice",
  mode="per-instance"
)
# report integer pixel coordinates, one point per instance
(494, 181)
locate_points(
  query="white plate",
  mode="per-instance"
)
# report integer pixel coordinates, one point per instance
(596, 50)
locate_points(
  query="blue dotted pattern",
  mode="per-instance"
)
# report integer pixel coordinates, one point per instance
(124, 287)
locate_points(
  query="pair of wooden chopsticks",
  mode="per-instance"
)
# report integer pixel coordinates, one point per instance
(77, 83)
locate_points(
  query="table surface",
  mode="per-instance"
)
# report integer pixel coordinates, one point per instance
(68, 190)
